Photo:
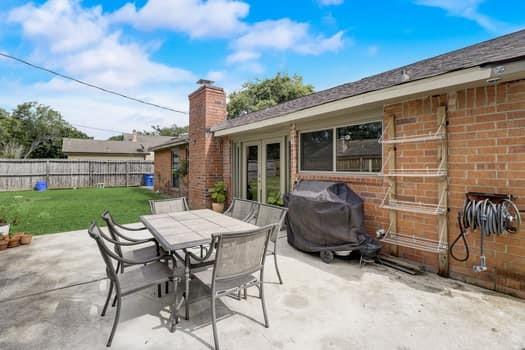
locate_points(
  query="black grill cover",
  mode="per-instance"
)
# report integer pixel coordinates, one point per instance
(327, 216)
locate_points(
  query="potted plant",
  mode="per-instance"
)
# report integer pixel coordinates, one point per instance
(218, 196)
(10, 214)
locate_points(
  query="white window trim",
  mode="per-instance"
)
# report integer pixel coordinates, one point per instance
(334, 160)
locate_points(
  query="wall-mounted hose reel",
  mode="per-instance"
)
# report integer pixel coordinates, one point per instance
(491, 214)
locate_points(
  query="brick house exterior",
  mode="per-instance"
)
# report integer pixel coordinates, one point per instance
(164, 155)
(480, 91)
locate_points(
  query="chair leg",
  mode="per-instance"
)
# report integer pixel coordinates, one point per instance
(114, 301)
(159, 290)
(167, 287)
(275, 262)
(187, 291)
(110, 291)
(245, 293)
(261, 295)
(277, 268)
(214, 323)
(174, 319)
(117, 316)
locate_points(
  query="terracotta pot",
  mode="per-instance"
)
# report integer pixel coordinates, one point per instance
(3, 244)
(14, 241)
(26, 238)
(218, 207)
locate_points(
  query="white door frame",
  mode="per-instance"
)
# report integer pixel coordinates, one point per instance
(282, 172)
(244, 174)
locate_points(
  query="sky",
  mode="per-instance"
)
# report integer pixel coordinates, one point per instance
(156, 50)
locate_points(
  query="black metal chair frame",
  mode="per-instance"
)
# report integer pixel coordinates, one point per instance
(114, 280)
(216, 293)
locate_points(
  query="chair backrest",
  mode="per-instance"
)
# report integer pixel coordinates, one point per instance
(95, 233)
(106, 216)
(240, 253)
(241, 209)
(171, 205)
(271, 214)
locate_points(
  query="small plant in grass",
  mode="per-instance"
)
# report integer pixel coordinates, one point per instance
(275, 198)
(218, 196)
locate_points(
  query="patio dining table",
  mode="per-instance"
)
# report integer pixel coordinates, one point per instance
(189, 229)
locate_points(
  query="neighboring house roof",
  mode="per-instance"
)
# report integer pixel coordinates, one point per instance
(504, 48)
(147, 140)
(174, 141)
(99, 146)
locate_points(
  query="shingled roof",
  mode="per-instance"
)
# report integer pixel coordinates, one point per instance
(70, 145)
(503, 48)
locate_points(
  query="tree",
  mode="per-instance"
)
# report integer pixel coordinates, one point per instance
(172, 130)
(116, 138)
(33, 130)
(260, 94)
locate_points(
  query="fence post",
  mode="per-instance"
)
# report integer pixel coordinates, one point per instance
(47, 173)
(127, 173)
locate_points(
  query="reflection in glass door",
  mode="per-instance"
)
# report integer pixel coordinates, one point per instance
(272, 173)
(252, 172)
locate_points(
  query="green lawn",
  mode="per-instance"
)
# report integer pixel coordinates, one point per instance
(67, 210)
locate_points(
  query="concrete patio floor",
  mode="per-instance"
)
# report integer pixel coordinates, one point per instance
(51, 294)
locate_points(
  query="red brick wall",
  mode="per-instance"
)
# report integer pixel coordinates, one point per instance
(207, 108)
(486, 153)
(163, 171)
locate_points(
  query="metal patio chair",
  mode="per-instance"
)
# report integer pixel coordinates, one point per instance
(171, 205)
(141, 253)
(242, 209)
(239, 256)
(115, 230)
(267, 215)
(150, 273)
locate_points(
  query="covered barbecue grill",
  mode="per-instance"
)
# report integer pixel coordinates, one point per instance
(327, 217)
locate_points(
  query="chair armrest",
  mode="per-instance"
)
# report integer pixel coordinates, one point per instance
(205, 257)
(130, 228)
(127, 238)
(127, 244)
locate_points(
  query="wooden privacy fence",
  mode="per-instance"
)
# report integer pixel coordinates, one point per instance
(22, 174)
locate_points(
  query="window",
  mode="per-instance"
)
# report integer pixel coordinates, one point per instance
(175, 167)
(356, 149)
(317, 150)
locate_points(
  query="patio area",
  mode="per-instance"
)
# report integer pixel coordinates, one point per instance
(52, 292)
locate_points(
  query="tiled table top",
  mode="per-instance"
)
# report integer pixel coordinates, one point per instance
(191, 228)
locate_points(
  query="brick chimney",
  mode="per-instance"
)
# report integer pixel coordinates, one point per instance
(207, 109)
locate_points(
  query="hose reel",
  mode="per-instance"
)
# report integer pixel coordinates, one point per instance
(492, 214)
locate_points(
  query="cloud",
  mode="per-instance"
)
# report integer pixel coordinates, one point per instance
(282, 35)
(62, 24)
(330, 2)
(215, 75)
(80, 42)
(468, 9)
(197, 18)
(242, 56)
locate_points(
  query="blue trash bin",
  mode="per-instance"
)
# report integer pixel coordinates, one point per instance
(148, 180)
(41, 186)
